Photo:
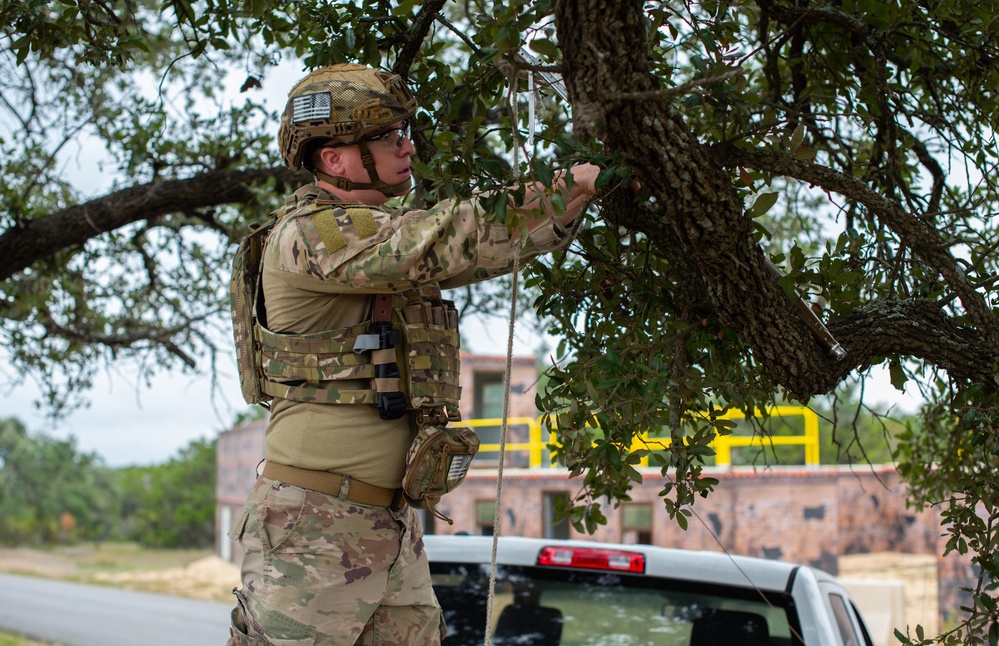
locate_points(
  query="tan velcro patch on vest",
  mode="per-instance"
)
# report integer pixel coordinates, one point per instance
(329, 231)
(419, 362)
(364, 222)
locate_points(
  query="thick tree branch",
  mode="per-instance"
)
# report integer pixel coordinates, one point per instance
(416, 34)
(923, 239)
(915, 328)
(24, 245)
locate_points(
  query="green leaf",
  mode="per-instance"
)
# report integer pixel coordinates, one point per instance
(604, 177)
(545, 47)
(542, 171)
(764, 202)
(404, 7)
(804, 153)
(797, 137)
(897, 375)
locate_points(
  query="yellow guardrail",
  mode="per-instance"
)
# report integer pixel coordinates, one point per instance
(722, 444)
(534, 445)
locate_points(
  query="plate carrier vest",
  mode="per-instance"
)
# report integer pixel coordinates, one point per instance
(408, 350)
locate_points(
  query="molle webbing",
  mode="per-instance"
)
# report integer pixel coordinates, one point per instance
(243, 292)
(295, 365)
(433, 352)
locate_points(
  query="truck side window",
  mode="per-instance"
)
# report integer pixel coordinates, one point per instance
(846, 631)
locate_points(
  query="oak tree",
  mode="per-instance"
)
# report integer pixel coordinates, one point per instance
(850, 145)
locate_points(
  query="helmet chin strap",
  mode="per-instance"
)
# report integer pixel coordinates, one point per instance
(344, 184)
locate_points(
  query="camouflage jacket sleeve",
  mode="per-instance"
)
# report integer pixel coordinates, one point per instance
(343, 249)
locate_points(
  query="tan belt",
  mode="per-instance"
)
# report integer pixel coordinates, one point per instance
(332, 483)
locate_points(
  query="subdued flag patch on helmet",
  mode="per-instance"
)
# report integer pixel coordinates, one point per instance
(311, 107)
(340, 105)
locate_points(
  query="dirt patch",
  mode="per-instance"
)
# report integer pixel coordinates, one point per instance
(37, 563)
(208, 578)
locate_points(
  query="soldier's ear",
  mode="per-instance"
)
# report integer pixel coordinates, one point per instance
(332, 159)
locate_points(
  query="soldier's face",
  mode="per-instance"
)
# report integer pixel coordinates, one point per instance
(392, 151)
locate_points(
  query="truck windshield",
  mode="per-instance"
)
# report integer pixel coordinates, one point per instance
(568, 607)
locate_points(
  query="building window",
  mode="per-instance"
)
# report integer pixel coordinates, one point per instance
(485, 516)
(551, 527)
(488, 404)
(636, 523)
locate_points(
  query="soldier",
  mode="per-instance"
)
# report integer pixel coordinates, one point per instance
(358, 352)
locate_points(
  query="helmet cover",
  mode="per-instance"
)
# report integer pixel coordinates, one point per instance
(342, 104)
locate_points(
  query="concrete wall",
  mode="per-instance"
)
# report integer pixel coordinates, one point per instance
(787, 513)
(238, 453)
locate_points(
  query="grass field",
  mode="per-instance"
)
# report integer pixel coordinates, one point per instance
(6, 639)
(82, 562)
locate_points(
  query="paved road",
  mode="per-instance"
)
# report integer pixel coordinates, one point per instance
(85, 615)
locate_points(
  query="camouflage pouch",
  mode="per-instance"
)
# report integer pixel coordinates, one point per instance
(437, 463)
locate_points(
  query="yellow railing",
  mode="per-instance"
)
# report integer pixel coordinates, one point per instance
(810, 439)
(534, 446)
(722, 444)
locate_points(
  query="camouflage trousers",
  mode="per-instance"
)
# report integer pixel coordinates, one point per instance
(318, 570)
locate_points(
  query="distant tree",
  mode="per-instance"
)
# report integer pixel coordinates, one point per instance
(172, 504)
(249, 415)
(50, 492)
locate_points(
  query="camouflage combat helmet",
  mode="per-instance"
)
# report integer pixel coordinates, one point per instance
(344, 104)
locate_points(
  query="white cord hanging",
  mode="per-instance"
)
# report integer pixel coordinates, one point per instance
(504, 430)
(531, 115)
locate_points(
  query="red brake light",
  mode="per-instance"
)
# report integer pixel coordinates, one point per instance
(594, 559)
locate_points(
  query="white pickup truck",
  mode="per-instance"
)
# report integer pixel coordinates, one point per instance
(551, 592)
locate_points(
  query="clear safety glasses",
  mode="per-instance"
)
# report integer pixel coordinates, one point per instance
(390, 138)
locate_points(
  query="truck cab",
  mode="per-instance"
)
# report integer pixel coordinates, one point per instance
(579, 593)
